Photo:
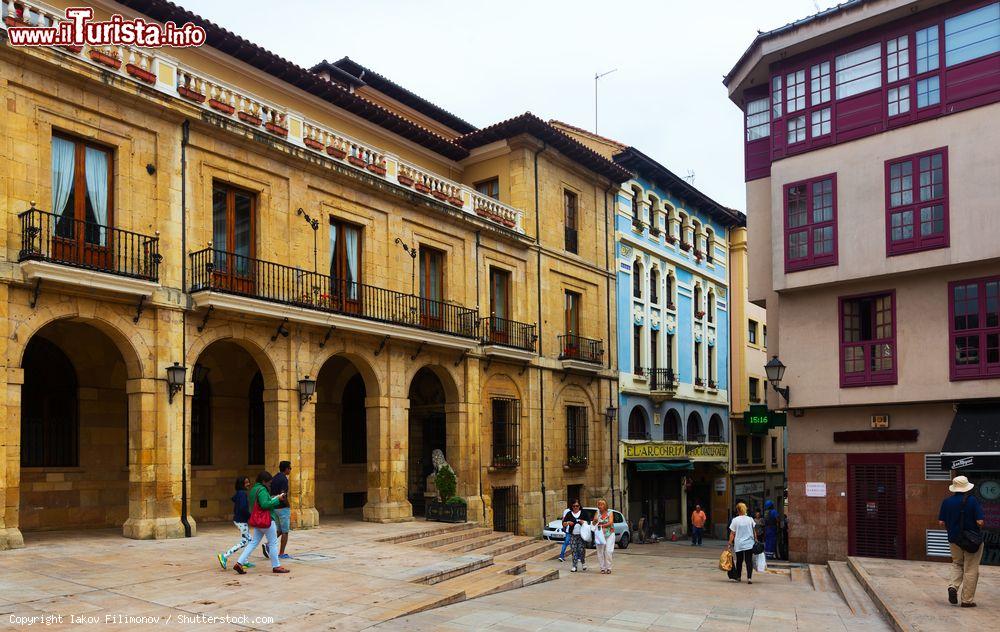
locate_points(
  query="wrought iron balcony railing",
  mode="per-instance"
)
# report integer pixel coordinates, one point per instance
(662, 379)
(72, 242)
(230, 273)
(508, 333)
(573, 347)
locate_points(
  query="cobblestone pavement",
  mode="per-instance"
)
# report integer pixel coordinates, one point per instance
(665, 586)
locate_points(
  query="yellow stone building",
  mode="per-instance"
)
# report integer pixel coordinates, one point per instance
(338, 272)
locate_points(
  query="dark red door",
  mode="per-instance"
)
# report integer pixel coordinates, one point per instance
(876, 505)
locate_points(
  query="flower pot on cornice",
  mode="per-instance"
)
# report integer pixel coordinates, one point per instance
(376, 169)
(73, 48)
(699, 382)
(671, 240)
(105, 59)
(16, 20)
(441, 195)
(481, 212)
(509, 223)
(357, 161)
(699, 315)
(246, 117)
(225, 108)
(406, 181)
(685, 247)
(456, 201)
(276, 129)
(423, 188)
(144, 75)
(336, 152)
(312, 143)
(190, 94)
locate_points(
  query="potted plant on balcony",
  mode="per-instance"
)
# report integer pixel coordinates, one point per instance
(441, 195)
(576, 460)
(249, 118)
(191, 94)
(454, 509)
(685, 246)
(312, 143)
(712, 384)
(336, 152)
(697, 255)
(17, 18)
(276, 128)
(421, 186)
(376, 168)
(454, 200)
(107, 58)
(699, 381)
(699, 314)
(405, 179)
(482, 211)
(357, 161)
(671, 239)
(144, 75)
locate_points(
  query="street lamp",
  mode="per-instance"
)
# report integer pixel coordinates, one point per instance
(306, 389)
(775, 370)
(610, 414)
(175, 380)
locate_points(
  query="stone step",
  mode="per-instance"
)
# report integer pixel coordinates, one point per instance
(421, 602)
(473, 544)
(425, 533)
(534, 551)
(489, 580)
(799, 575)
(442, 539)
(534, 576)
(449, 568)
(851, 590)
(822, 581)
(507, 545)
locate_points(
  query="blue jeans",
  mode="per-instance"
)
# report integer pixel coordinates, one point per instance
(696, 535)
(271, 533)
(562, 553)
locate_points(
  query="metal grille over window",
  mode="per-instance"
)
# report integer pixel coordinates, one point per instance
(576, 436)
(506, 431)
(934, 469)
(505, 506)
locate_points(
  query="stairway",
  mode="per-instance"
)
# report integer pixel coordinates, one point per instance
(480, 562)
(837, 577)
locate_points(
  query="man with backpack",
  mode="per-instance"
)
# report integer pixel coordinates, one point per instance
(963, 516)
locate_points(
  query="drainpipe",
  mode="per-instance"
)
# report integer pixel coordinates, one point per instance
(481, 499)
(541, 377)
(611, 392)
(185, 135)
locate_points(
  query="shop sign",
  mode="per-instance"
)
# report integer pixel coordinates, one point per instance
(653, 450)
(816, 490)
(720, 484)
(880, 421)
(960, 463)
(707, 451)
(747, 489)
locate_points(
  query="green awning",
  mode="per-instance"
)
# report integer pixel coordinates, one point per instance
(663, 466)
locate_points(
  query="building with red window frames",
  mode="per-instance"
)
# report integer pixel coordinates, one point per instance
(873, 174)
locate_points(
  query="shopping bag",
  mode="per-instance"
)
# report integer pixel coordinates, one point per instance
(259, 518)
(586, 533)
(599, 537)
(726, 561)
(760, 562)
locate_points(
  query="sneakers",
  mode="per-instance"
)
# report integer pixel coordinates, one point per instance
(562, 559)
(284, 556)
(263, 548)
(223, 560)
(971, 604)
(279, 569)
(249, 565)
(584, 567)
(952, 595)
(239, 568)
(572, 570)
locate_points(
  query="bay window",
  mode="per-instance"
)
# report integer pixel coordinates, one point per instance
(868, 340)
(811, 223)
(972, 34)
(975, 328)
(795, 91)
(859, 70)
(917, 202)
(758, 119)
(820, 87)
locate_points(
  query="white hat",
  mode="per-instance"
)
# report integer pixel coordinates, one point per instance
(960, 484)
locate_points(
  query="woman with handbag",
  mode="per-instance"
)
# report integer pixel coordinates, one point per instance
(604, 535)
(574, 522)
(263, 521)
(742, 539)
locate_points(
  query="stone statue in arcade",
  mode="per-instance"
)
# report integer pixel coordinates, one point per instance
(438, 461)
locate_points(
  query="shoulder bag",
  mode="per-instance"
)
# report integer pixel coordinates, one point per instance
(969, 540)
(259, 518)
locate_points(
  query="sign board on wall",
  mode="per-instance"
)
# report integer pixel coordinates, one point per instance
(749, 488)
(816, 490)
(666, 450)
(720, 484)
(880, 421)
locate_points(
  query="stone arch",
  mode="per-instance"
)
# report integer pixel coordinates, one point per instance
(716, 428)
(637, 277)
(574, 391)
(695, 426)
(365, 365)
(242, 336)
(672, 430)
(451, 382)
(498, 383)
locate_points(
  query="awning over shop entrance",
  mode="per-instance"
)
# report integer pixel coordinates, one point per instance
(973, 442)
(663, 466)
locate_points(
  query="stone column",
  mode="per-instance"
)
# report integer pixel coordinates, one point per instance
(10, 461)
(388, 443)
(303, 448)
(155, 461)
(462, 432)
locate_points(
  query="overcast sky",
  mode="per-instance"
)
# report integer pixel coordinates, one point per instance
(489, 60)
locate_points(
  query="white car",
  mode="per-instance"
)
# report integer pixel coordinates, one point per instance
(554, 530)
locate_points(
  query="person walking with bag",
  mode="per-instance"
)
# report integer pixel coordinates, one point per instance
(770, 530)
(262, 519)
(742, 538)
(569, 533)
(241, 516)
(604, 536)
(963, 516)
(574, 522)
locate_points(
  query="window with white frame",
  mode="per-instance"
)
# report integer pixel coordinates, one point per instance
(795, 91)
(972, 34)
(776, 97)
(820, 122)
(897, 59)
(927, 49)
(758, 119)
(859, 71)
(898, 100)
(820, 86)
(796, 129)
(928, 92)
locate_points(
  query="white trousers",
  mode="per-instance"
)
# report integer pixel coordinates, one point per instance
(605, 551)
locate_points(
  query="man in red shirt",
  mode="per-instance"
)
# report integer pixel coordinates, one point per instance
(698, 518)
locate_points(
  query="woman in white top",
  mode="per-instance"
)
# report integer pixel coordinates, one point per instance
(742, 536)
(572, 522)
(604, 520)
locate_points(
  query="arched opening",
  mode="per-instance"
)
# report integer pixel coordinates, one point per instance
(671, 302)
(699, 310)
(672, 426)
(427, 432)
(636, 205)
(638, 427)
(654, 286)
(709, 245)
(710, 308)
(695, 431)
(637, 278)
(341, 438)
(74, 430)
(715, 428)
(230, 427)
(654, 215)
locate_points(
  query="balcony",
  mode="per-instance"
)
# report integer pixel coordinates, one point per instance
(581, 354)
(226, 280)
(662, 384)
(508, 338)
(66, 250)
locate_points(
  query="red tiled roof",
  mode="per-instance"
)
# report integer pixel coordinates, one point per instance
(273, 64)
(528, 123)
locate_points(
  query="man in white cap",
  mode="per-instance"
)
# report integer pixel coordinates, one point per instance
(962, 512)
